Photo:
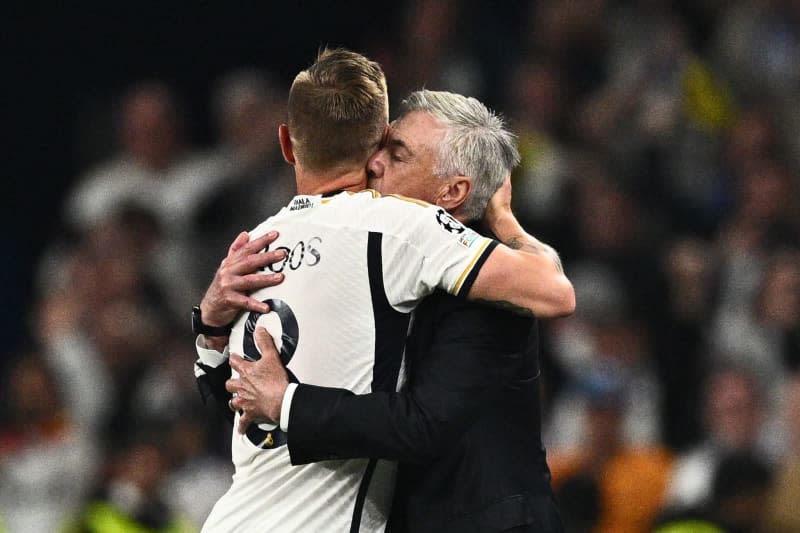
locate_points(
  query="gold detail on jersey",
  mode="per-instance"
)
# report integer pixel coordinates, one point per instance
(269, 441)
(463, 276)
(407, 199)
(373, 192)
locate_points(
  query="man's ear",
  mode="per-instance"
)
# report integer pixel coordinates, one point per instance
(385, 134)
(285, 141)
(454, 192)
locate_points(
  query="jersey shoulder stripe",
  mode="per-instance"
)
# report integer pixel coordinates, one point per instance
(408, 199)
(469, 268)
(467, 278)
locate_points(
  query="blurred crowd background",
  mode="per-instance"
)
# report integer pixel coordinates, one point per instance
(660, 157)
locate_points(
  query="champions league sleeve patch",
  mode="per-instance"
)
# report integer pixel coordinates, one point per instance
(449, 223)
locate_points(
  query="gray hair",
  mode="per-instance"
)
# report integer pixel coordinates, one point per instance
(476, 144)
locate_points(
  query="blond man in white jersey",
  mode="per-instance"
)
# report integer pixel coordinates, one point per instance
(353, 265)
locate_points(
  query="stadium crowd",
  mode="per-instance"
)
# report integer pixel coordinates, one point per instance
(660, 157)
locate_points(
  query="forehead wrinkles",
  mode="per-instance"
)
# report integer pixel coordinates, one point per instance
(419, 132)
(400, 140)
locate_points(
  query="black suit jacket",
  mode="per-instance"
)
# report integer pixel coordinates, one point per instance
(466, 428)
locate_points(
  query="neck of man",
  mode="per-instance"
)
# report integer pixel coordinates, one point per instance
(460, 217)
(311, 183)
(477, 225)
(458, 214)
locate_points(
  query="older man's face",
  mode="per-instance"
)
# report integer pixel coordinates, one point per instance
(405, 164)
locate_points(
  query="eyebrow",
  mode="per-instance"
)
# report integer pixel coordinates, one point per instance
(394, 142)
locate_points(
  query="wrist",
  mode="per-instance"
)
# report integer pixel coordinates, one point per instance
(210, 318)
(276, 405)
(201, 326)
(217, 344)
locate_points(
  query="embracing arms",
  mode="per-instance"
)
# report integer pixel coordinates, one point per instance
(473, 358)
(525, 274)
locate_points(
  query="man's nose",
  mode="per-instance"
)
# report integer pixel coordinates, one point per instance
(375, 166)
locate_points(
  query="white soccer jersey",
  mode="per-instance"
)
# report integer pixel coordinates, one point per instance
(356, 265)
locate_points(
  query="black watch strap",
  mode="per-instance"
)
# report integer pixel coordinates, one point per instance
(212, 331)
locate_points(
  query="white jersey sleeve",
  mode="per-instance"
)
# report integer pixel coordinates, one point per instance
(429, 250)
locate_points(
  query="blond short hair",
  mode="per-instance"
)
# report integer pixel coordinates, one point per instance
(338, 109)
